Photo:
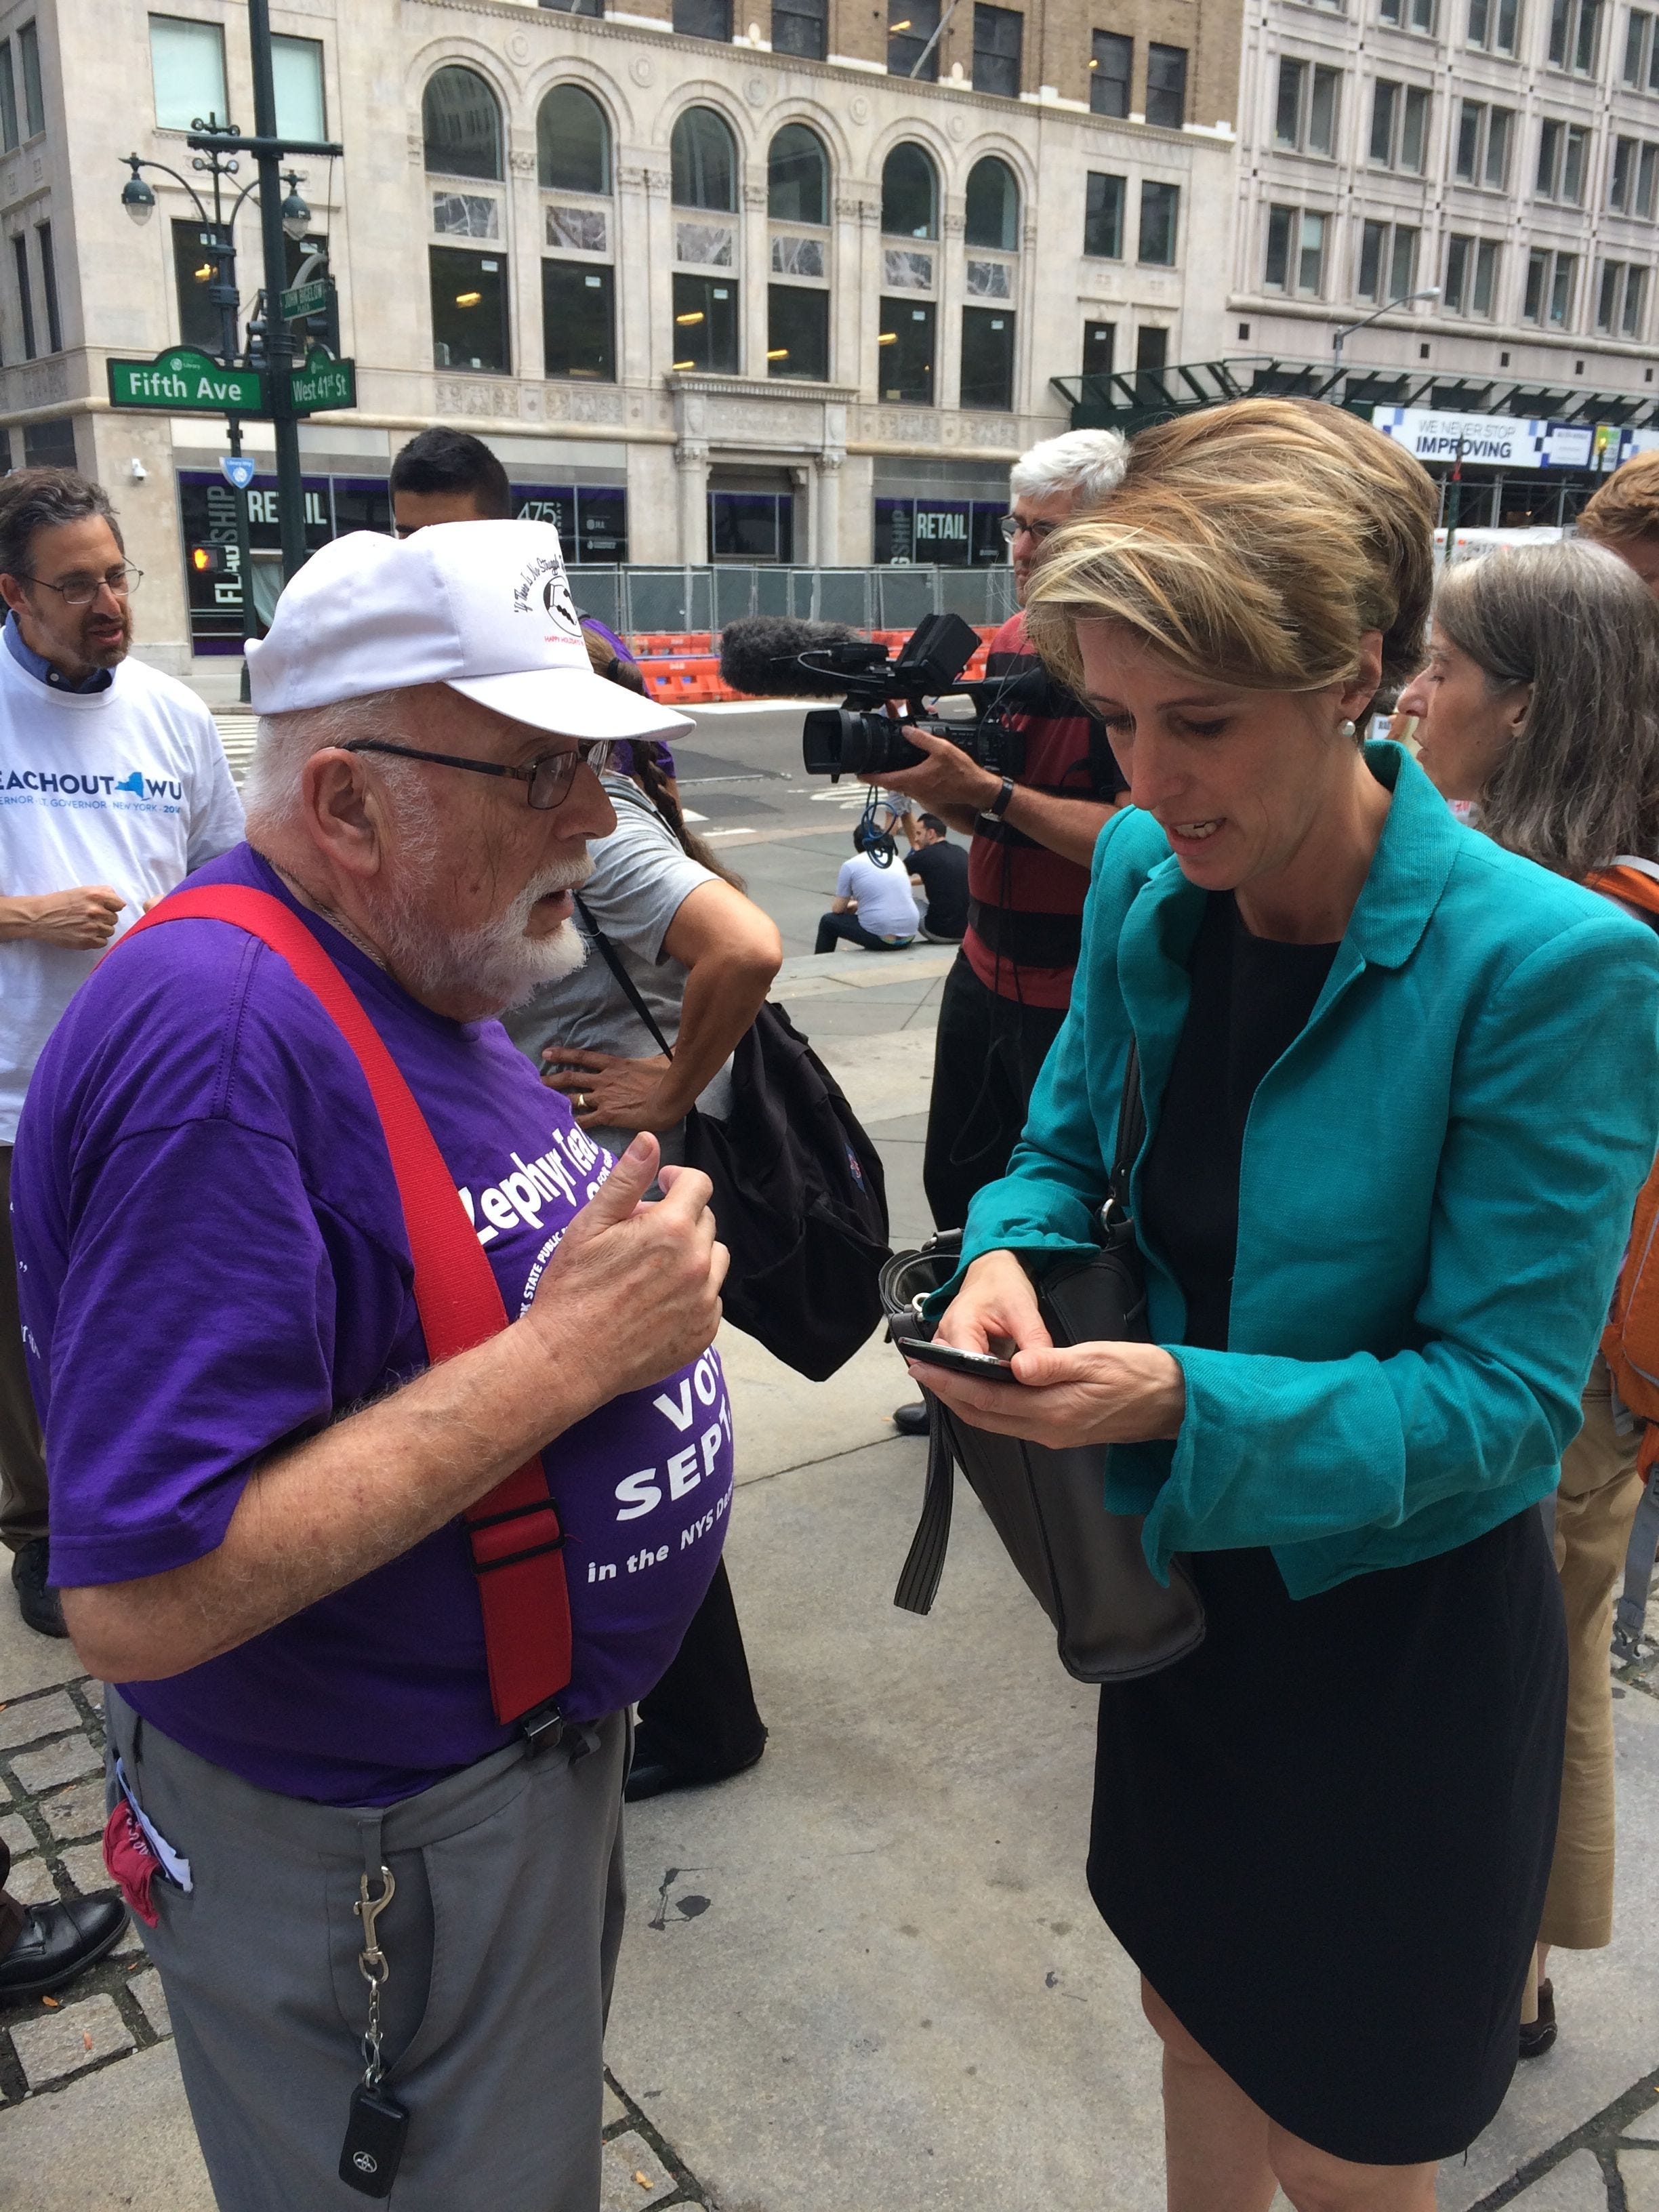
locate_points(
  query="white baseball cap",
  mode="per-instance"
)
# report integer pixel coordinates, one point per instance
(482, 606)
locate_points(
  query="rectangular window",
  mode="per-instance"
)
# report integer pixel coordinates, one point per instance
(1152, 347)
(187, 68)
(799, 26)
(1563, 153)
(28, 59)
(998, 33)
(192, 272)
(19, 247)
(751, 526)
(1110, 66)
(574, 7)
(1295, 259)
(296, 65)
(1415, 130)
(8, 133)
(705, 324)
(1321, 111)
(1385, 107)
(904, 364)
(1624, 173)
(1471, 116)
(1373, 242)
(1102, 218)
(1575, 34)
(1633, 313)
(1166, 86)
(1537, 277)
(906, 46)
(469, 310)
(1608, 295)
(798, 332)
(1276, 264)
(1287, 115)
(1420, 16)
(49, 287)
(1402, 263)
(1561, 285)
(987, 358)
(1388, 11)
(1160, 214)
(1460, 256)
(1644, 181)
(1550, 279)
(1485, 277)
(1639, 35)
(703, 19)
(1500, 128)
(1099, 346)
(1480, 21)
(578, 322)
(1574, 158)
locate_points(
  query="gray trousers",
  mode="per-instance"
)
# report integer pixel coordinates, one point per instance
(501, 1941)
(23, 1465)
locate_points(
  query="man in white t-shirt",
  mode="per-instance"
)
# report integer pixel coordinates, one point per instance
(872, 905)
(113, 785)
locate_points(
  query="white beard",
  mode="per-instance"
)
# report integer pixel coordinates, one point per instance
(496, 964)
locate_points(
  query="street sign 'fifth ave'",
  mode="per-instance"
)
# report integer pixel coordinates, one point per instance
(182, 381)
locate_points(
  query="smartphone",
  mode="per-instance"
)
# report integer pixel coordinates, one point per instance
(981, 1366)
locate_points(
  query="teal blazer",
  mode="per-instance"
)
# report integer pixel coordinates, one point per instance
(1436, 1191)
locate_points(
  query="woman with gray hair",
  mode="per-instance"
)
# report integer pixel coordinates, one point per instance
(1538, 718)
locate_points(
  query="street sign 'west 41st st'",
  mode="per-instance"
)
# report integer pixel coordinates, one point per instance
(186, 382)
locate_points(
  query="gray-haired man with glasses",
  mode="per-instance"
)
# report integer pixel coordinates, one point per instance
(113, 787)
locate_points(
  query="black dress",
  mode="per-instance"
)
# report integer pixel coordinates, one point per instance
(1325, 1837)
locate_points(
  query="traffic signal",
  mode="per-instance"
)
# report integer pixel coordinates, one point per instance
(207, 560)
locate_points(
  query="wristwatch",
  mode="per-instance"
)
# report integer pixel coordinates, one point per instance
(998, 805)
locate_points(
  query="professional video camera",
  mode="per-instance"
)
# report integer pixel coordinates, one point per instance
(768, 657)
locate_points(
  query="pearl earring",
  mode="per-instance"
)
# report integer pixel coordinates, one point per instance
(1346, 729)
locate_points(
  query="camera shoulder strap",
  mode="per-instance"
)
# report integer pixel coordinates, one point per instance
(624, 981)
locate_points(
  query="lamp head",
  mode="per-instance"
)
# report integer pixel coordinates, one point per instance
(136, 197)
(296, 216)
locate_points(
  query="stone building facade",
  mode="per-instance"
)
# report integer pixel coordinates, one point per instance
(1505, 152)
(715, 284)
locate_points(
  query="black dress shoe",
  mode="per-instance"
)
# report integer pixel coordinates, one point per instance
(655, 1777)
(1537, 2035)
(58, 1940)
(911, 1420)
(40, 1606)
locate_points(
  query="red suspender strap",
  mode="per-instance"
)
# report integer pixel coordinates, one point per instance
(514, 1532)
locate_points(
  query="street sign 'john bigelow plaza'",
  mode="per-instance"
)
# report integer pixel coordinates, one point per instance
(182, 381)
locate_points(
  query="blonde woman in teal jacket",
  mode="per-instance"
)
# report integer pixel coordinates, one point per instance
(1403, 1087)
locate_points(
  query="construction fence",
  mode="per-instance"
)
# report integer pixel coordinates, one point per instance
(673, 617)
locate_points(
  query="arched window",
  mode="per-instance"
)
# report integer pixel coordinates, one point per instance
(992, 205)
(797, 176)
(909, 194)
(572, 142)
(704, 160)
(462, 125)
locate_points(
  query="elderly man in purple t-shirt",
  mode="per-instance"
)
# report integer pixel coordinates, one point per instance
(258, 1473)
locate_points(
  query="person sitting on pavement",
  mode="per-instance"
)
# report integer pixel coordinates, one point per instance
(939, 870)
(116, 787)
(701, 958)
(1538, 711)
(446, 475)
(872, 907)
(258, 1475)
(1623, 516)
(1401, 1087)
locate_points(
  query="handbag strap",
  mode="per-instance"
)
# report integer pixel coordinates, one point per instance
(513, 1533)
(625, 982)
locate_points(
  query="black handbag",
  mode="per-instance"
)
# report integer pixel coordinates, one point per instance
(1085, 1567)
(801, 1200)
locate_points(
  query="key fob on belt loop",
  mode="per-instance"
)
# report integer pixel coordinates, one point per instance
(374, 2138)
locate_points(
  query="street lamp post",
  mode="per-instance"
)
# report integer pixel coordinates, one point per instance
(1404, 299)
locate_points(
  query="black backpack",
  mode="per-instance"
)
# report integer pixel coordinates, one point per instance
(801, 1200)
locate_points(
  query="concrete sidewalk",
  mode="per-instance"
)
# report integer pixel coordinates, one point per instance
(866, 1977)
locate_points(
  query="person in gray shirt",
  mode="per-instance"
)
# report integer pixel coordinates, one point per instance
(701, 957)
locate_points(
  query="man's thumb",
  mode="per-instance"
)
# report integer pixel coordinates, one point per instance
(619, 1194)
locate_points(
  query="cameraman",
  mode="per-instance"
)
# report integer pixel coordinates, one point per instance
(1032, 842)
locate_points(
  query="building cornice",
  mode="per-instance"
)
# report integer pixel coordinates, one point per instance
(763, 388)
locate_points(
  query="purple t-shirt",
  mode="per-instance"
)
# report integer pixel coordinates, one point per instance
(212, 1266)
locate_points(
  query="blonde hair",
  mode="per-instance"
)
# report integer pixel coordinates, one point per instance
(1627, 504)
(1255, 543)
